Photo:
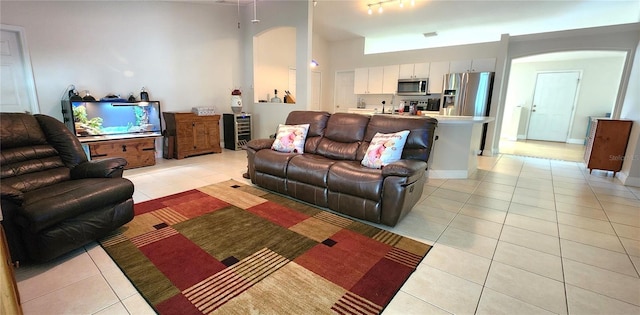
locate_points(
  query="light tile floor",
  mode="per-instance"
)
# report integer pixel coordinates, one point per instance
(522, 236)
(543, 149)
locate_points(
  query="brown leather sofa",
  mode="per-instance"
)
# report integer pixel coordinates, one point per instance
(329, 173)
(53, 200)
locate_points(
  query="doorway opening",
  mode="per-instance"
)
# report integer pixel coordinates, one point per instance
(16, 75)
(551, 99)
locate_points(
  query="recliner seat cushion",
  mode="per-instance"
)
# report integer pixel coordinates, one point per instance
(48, 206)
(273, 162)
(310, 169)
(350, 177)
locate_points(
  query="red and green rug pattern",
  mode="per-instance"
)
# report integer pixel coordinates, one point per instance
(231, 248)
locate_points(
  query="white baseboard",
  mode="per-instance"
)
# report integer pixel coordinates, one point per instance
(521, 137)
(457, 174)
(627, 180)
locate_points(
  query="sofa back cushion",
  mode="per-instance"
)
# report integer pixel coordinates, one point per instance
(317, 124)
(419, 142)
(27, 160)
(343, 136)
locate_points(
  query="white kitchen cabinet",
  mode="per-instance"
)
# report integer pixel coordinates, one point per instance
(414, 70)
(368, 80)
(361, 81)
(475, 65)
(483, 65)
(421, 70)
(406, 71)
(458, 66)
(390, 79)
(437, 70)
(376, 77)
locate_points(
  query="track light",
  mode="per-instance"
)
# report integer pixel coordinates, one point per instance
(381, 2)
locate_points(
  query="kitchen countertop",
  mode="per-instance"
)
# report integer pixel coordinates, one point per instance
(450, 120)
(442, 119)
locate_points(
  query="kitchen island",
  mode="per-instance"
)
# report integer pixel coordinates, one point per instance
(455, 152)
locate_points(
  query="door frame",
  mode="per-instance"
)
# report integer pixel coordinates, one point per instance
(26, 61)
(335, 82)
(574, 105)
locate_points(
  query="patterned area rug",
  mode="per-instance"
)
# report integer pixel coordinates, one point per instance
(231, 248)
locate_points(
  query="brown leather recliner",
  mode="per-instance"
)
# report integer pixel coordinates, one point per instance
(53, 199)
(329, 173)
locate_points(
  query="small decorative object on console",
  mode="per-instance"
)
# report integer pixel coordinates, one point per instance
(144, 95)
(203, 111)
(87, 96)
(236, 101)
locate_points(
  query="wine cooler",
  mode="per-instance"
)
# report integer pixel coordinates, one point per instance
(237, 130)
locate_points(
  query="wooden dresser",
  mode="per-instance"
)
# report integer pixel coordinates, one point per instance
(193, 134)
(606, 144)
(137, 151)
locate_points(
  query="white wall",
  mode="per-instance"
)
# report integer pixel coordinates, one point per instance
(274, 53)
(630, 173)
(273, 14)
(186, 54)
(597, 95)
(618, 38)
(320, 52)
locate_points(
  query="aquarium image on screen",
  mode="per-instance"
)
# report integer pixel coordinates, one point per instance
(107, 118)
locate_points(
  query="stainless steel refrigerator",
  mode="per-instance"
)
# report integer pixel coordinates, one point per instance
(468, 94)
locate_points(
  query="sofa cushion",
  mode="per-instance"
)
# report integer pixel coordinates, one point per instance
(310, 169)
(290, 138)
(343, 136)
(71, 198)
(350, 177)
(317, 123)
(385, 148)
(272, 162)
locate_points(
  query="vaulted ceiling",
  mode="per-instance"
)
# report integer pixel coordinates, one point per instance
(454, 22)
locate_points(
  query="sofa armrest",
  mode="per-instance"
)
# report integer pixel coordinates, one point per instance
(259, 144)
(404, 168)
(9, 193)
(112, 168)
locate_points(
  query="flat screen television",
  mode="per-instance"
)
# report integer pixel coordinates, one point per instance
(95, 120)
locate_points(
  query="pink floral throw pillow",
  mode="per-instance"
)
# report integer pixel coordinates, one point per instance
(385, 149)
(290, 138)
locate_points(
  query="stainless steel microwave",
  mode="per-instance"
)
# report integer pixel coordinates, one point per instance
(412, 86)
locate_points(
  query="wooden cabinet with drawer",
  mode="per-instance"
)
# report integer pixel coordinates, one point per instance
(193, 134)
(138, 152)
(606, 144)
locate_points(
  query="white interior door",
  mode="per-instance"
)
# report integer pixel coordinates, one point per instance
(344, 96)
(17, 88)
(553, 104)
